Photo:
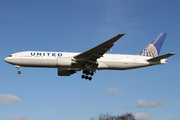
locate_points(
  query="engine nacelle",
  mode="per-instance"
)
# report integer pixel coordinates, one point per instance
(62, 72)
(64, 61)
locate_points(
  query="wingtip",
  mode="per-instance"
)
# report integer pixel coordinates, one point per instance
(173, 53)
(121, 34)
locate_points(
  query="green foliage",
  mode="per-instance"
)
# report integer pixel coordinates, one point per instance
(107, 116)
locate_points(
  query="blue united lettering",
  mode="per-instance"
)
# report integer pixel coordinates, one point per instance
(46, 54)
(38, 54)
(59, 54)
(53, 54)
(32, 54)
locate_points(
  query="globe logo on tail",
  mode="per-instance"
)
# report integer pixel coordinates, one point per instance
(149, 51)
(153, 49)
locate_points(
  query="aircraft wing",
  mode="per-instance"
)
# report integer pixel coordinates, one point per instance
(93, 54)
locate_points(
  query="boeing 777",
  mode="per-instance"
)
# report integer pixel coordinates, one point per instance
(91, 60)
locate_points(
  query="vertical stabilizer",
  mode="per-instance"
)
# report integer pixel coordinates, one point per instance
(153, 49)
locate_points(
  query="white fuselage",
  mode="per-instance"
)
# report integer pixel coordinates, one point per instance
(53, 60)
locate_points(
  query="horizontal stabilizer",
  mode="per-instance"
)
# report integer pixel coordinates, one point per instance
(161, 57)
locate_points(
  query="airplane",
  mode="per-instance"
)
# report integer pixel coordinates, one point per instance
(92, 60)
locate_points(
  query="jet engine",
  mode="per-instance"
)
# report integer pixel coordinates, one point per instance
(64, 61)
(62, 72)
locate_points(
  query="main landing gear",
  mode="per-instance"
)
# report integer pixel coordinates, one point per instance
(86, 73)
(18, 67)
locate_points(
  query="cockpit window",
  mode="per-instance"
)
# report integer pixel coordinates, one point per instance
(10, 55)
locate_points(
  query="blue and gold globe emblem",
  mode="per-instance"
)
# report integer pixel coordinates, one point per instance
(149, 51)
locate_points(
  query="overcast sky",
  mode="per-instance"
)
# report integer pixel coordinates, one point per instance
(76, 26)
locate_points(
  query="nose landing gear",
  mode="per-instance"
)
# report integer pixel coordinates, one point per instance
(18, 67)
(86, 73)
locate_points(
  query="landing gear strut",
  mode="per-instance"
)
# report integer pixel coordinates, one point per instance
(18, 67)
(86, 73)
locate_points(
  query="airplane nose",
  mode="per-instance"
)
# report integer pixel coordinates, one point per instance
(6, 59)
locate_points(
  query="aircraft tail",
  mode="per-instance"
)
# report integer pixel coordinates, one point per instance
(153, 49)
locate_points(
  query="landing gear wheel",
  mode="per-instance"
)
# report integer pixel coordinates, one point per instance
(19, 72)
(86, 77)
(83, 76)
(90, 78)
(91, 73)
(18, 67)
(84, 71)
(87, 74)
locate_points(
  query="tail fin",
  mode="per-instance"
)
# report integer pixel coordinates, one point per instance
(153, 49)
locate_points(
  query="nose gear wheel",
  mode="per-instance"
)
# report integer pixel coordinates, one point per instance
(18, 67)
